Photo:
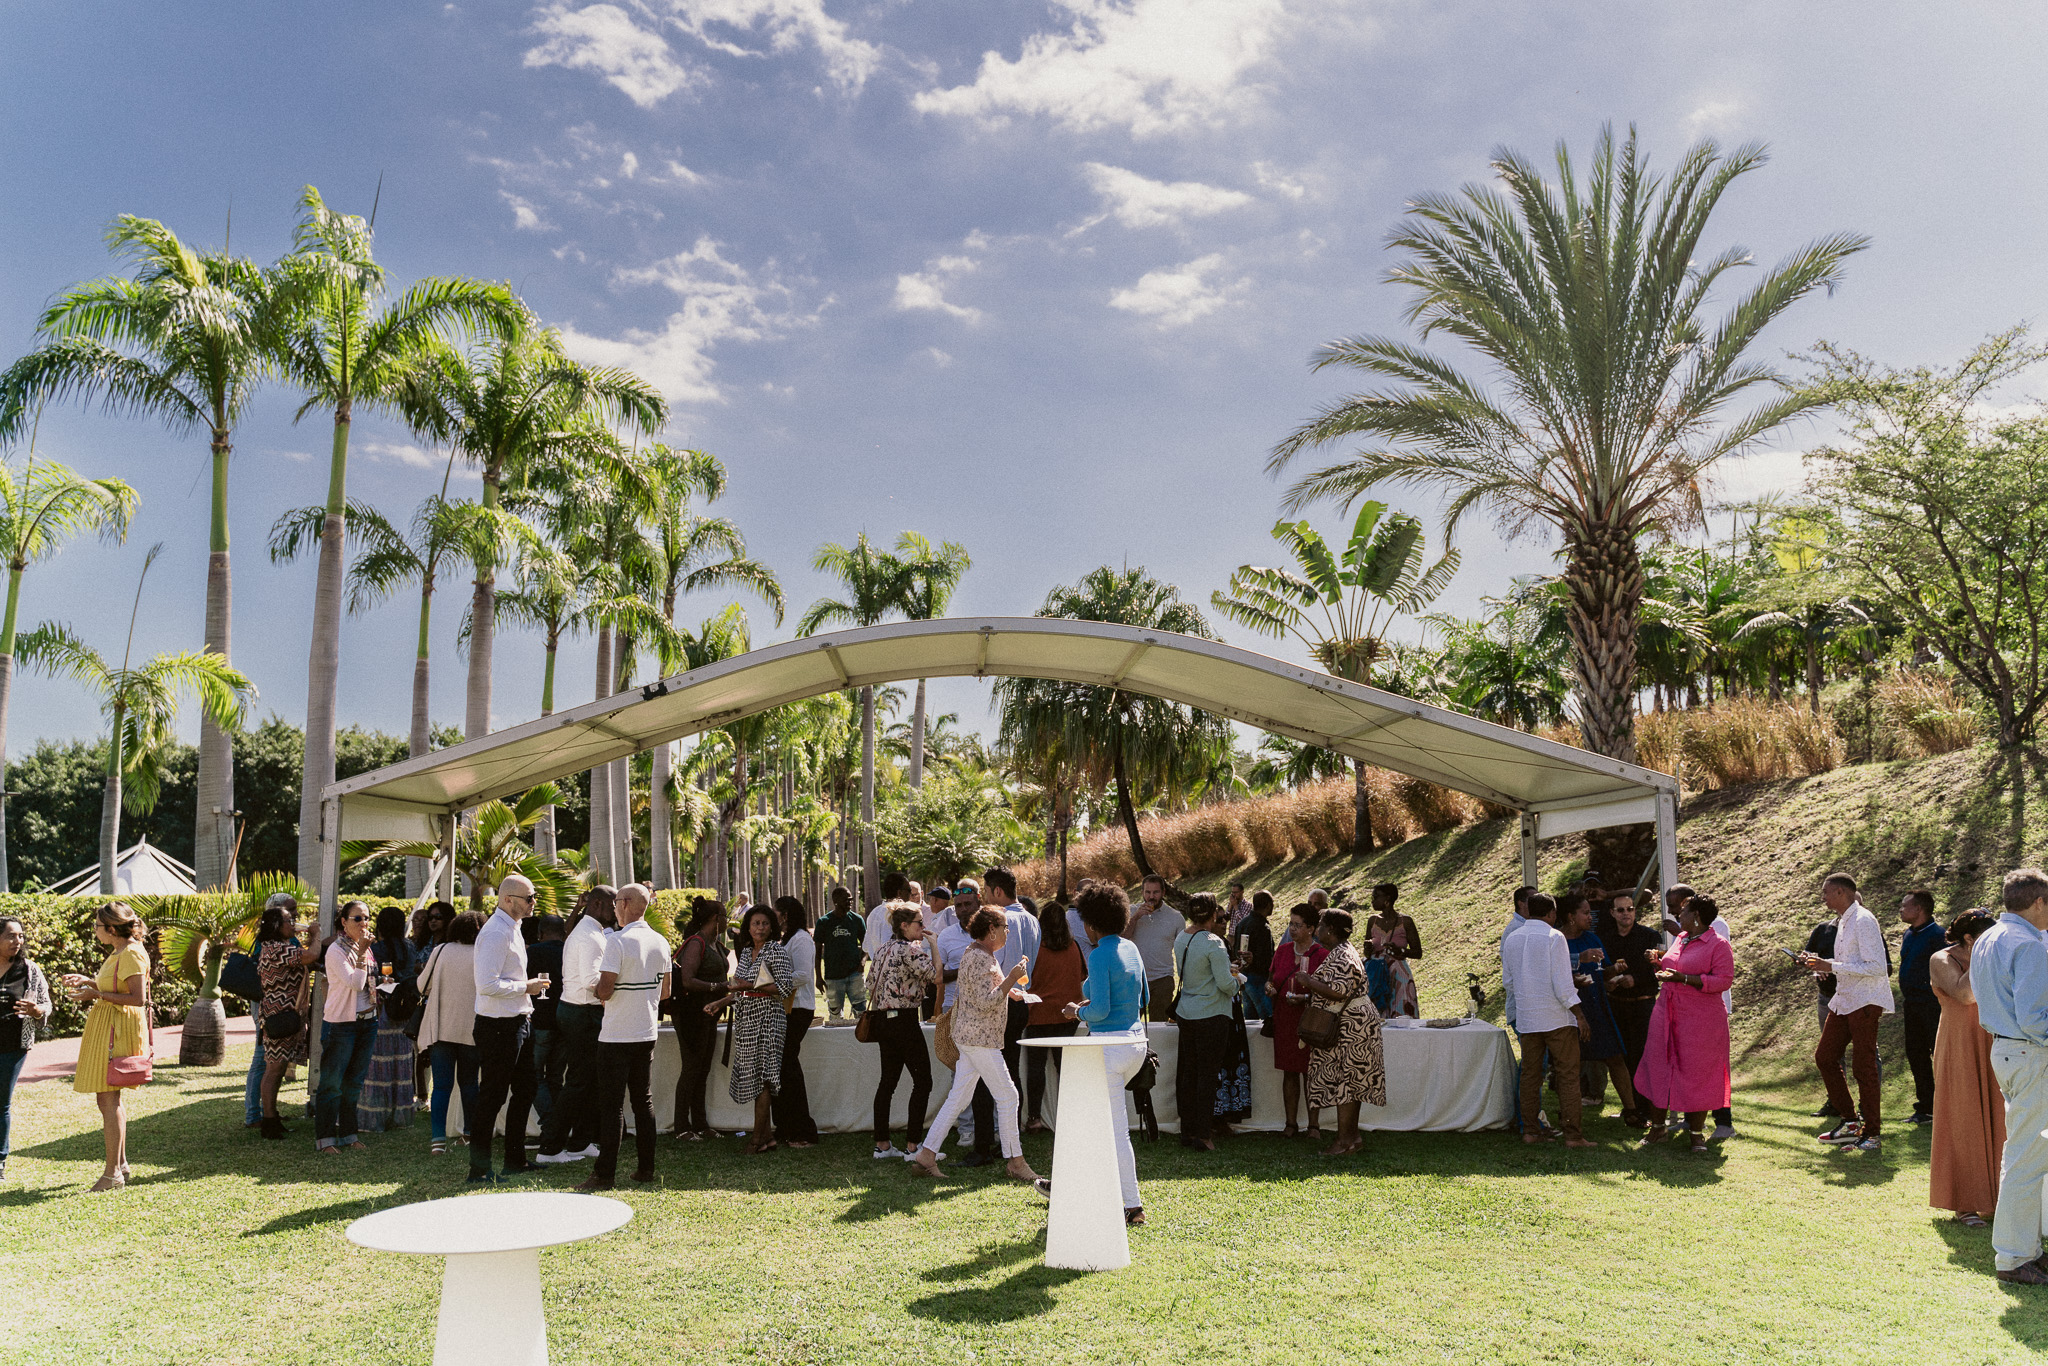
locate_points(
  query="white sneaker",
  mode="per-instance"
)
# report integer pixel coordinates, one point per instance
(1724, 1131)
(891, 1151)
(554, 1159)
(591, 1151)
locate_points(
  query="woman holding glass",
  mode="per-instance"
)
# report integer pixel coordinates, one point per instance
(116, 1027)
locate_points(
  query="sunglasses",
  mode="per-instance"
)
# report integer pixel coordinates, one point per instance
(358, 920)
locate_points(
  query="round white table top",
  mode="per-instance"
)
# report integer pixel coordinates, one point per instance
(508, 1222)
(1085, 1040)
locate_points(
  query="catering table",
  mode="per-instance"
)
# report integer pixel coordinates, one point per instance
(1452, 1080)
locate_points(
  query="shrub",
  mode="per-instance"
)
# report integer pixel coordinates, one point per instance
(1928, 710)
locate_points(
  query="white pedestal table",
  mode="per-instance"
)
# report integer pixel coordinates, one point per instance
(490, 1292)
(1085, 1229)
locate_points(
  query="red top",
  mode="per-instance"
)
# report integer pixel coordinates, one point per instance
(1059, 978)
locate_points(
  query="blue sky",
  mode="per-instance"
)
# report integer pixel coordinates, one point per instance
(1038, 277)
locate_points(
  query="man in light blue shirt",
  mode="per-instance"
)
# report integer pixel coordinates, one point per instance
(2009, 975)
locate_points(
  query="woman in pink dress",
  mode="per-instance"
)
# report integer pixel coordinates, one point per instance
(1301, 953)
(1685, 1063)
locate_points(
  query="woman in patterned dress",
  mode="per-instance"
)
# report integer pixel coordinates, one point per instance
(761, 978)
(115, 1027)
(388, 1096)
(282, 963)
(1397, 943)
(1352, 1071)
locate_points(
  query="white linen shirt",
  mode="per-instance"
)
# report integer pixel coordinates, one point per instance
(802, 949)
(1862, 974)
(580, 955)
(500, 969)
(878, 931)
(1545, 995)
(1507, 969)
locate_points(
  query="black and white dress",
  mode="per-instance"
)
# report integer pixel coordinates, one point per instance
(758, 1024)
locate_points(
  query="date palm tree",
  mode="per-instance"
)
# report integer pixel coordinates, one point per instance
(1610, 392)
(42, 505)
(343, 349)
(1340, 603)
(934, 574)
(184, 338)
(140, 702)
(877, 584)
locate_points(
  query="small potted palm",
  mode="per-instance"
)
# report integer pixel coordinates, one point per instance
(197, 932)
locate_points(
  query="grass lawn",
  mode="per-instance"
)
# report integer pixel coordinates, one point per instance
(1428, 1247)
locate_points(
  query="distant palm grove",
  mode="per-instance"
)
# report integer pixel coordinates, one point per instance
(1583, 357)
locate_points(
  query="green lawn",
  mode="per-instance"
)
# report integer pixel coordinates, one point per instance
(1429, 1247)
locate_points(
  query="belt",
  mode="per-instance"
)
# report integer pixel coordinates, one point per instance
(899, 1011)
(2007, 1038)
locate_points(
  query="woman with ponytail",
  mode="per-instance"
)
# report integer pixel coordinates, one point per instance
(115, 1027)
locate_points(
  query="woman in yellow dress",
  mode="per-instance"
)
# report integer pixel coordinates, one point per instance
(114, 1028)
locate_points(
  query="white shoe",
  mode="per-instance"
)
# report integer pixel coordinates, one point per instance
(891, 1151)
(911, 1156)
(554, 1159)
(1724, 1131)
(591, 1151)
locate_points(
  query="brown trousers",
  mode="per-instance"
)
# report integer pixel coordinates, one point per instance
(1563, 1047)
(1860, 1028)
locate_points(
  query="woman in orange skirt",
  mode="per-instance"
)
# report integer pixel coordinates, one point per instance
(1969, 1110)
(114, 1027)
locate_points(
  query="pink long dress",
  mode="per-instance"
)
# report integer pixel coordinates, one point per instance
(1685, 1062)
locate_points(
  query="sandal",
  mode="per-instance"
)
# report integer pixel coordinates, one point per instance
(439, 1147)
(108, 1183)
(765, 1146)
(1651, 1139)
(1291, 1131)
(1315, 1135)
(1038, 1126)
(1969, 1219)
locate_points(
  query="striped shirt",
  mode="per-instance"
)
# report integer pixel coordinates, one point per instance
(638, 956)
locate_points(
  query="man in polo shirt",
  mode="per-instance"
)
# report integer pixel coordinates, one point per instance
(632, 981)
(569, 1133)
(841, 934)
(1548, 1016)
(1153, 929)
(503, 1033)
(1863, 996)
(1923, 939)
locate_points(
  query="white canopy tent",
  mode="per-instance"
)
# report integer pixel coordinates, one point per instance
(142, 868)
(1557, 789)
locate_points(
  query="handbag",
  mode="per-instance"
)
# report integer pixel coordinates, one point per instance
(943, 1047)
(410, 1025)
(239, 977)
(867, 1026)
(290, 1022)
(1322, 1022)
(137, 1070)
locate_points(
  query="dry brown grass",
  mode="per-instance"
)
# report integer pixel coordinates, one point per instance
(1928, 710)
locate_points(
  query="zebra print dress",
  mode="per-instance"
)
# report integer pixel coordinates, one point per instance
(758, 1026)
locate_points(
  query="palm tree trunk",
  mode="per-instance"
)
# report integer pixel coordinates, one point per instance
(1361, 810)
(917, 739)
(1604, 582)
(871, 874)
(622, 818)
(110, 808)
(483, 625)
(323, 665)
(1813, 679)
(602, 842)
(213, 822)
(544, 830)
(660, 821)
(6, 694)
(1126, 812)
(421, 738)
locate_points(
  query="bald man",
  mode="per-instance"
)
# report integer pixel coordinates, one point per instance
(504, 1034)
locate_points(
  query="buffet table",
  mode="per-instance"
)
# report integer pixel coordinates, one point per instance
(1447, 1080)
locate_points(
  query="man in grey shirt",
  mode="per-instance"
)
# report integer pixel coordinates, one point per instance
(1153, 928)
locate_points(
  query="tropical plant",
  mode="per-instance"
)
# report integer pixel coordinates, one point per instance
(934, 574)
(1588, 304)
(1810, 600)
(185, 338)
(140, 702)
(1283, 762)
(195, 936)
(1340, 603)
(1504, 667)
(549, 597)
(42, 505)
(951, 827)
(341, 349)
(489, 849)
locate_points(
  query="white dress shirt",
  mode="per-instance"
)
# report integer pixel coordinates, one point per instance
(500, 969)
(1541, 964)
(1862, 973)
(580, 955)
(878, 931)
(802, 949)
(1507, 969)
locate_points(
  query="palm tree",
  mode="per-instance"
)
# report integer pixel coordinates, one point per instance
(1808, 599)
(41, 506)
(186, 338)
(1282, 762)
(1588, 303)
(1356, 592)
(724, 636)
(141, 706)
(488, 849)
(198, 932)
(690, 552)
(340, 350)
(877, 584)
(934, 574)
(549, 597)
(1509, 666)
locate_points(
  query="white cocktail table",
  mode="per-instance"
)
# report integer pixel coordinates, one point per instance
(1085, 1229)
(490, 1292)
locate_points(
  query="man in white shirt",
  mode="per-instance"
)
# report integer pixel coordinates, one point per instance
(570, 1132)
(1507, 979)
(1548, 1016)
(503, 1034)
(1863, 996)
(632, 982)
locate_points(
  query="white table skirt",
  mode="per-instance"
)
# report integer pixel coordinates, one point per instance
(1459, 1080)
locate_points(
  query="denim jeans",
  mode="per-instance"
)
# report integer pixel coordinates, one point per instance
(1257, 1005)
(453, 1065)
(543, 1089)
(10, 1072)
(252, 1089)
(851, 990)
(345, 1051)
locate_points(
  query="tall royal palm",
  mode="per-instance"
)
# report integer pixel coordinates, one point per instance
(1607, 402)
(547, 596)
(43, 505)
(1340, 601)
(934, 574)
(183, 338)
(343, 349)
(877, 583)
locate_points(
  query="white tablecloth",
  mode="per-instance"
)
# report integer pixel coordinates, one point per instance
(1459, 1080)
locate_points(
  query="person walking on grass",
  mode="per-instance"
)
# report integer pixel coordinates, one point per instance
(980, 1016)
(632, 982)
(504, 1034)
(1548, 1016)
(1923, 939)
(2009, 976)
(117, 1026)
(1863, 996)
(24, 1004)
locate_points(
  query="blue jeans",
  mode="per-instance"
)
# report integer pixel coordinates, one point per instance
(1257, 1005)
(345, 1051)
(10, 1072)
(453, 1065)
(252, 1090)
(543, 1094)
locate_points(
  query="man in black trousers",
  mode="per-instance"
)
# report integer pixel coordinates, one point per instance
(504, 1034)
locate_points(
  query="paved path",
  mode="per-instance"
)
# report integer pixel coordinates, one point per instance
(57, 1059)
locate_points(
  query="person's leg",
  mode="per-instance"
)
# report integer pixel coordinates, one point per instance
(1532, 1082)
(1923, 1021)
(576, 1034)
(113, 1132)
(1869, 1080)
(610, 1100)
(957, 1099)
(983, 1112)
(337, 1045)
(857, 995)
(1624, 1085)
(834, 993)
(469, 1072)
(1564, 1050)
(520, 1107)
(498, 1043)
(640, 1095)
(890, 1041)
(1347, 1125)
(361, 1050)
(1122, 1060)
(441, 1063)
(274, 1065)
(252, 1087)
(544, 1091)
(792, 1108)
(1159, 1000)
(919, 1060)
(1187, 1065)
(1290, 1094)
(1827, 1057)
(2022, 1072)
(1209, 1037)
(10, 1073)
(989, 1065)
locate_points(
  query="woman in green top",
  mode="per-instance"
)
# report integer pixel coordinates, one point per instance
(1208, 985)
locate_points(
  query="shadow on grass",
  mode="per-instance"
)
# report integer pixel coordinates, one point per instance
(1024, 1294)
(2026, 1319)
(336, 1212)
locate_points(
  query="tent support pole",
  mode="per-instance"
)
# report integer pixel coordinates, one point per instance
(447, 892)
(1529, 848)
(330, 902)
(1667, 841)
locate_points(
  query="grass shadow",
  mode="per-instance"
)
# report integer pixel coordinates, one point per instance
(1025, 1294)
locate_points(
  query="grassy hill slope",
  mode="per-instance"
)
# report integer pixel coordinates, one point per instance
(1952, 824)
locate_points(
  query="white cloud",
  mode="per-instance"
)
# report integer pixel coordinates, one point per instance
(524, 215)
(1177, 296)
(721, 302)
(604, 39)
(787, 24)
(629, 165)
(1139, 202)
(1715, 116)
(1271, 179)
(926, 290)
(410, 456)
(683, 174)
(298, 457)
(941, 359)
(1153, 66)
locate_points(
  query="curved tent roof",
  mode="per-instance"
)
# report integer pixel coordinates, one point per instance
(1565, 789)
